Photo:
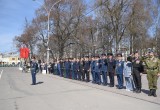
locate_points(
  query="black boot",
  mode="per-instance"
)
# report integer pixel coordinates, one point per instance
(139, 90)
(154, 93)
(135, 90)
(150, 93)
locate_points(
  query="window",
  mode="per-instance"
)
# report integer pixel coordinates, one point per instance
(13, 58)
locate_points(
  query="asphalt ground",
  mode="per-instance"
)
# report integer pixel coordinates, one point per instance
(57, 93)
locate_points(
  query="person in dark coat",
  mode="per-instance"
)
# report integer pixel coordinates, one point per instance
(82, 69)
(52, 67)
(74, 69)
(97, 70)
(103, 62)
(119, 70)
(93, 70)
(111, 62)
(138, 69)
(34, 68)
(67, 64)
(61, 67)
(86, 69)
(79, 74)
(58, 68)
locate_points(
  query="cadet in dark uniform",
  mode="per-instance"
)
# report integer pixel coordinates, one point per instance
(119, 70)
(93, 70)
(153, 70)
(61, 68)
(75, 68)
(34, 68)
(86, 69)
(82, 69)
(52, 68)
(111, 68)
(97, 70)
(103, 68)
(72, 69)
(138, 69)
(79, 74)
(67, 67)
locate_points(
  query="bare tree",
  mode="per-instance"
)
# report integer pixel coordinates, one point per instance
(28, 38)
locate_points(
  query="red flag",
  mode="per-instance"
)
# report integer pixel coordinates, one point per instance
(24, 53)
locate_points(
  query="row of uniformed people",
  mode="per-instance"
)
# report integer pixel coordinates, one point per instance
(77, 69)
(99, 67)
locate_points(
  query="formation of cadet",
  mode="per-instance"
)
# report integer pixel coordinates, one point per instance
(104, 66)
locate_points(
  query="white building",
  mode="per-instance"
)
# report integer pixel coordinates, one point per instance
(10, 58)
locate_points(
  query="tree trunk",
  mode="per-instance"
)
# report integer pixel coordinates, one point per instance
(61, 51)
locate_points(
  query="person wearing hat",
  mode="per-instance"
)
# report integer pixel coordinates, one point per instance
(97, 70)
(34, 68)
(138, 69)
(111, 68)
(67, 64)
(72, 68)
(103, 62)
(82, 69)
(79, 74)
(153, 71)
(86, 69)
(119, 70)
(93, 69)
(127, 71)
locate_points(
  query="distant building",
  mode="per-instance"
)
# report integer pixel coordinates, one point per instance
(9, 58)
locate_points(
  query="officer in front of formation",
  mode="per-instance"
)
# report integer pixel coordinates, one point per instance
(34, 69)
(153, 71)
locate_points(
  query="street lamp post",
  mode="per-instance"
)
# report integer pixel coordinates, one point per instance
(48, 28)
